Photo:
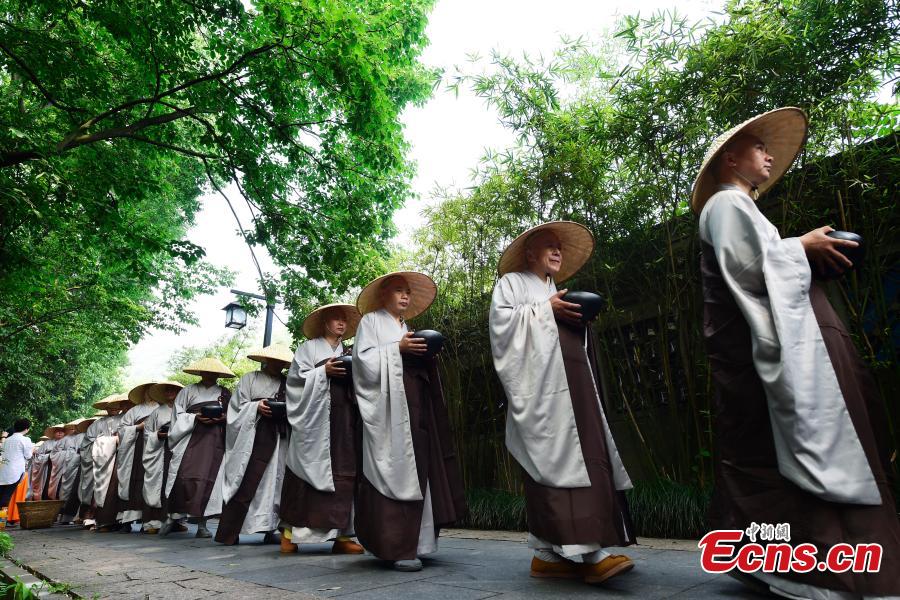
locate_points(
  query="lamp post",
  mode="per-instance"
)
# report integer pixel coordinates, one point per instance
(234, 312)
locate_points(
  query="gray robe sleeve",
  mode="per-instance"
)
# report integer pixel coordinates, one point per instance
(816, 444)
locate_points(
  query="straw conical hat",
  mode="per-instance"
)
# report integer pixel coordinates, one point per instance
(156, 392)
(85, 423)
(423, 292)
(782, 130)
(138, 394)
(75, 423)
(58, 427)
(209, 364)
(272, 352)
(99, 414)
(577, 247)
(110, 400)
(314, 323)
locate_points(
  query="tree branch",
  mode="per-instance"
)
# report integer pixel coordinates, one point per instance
(32, 76)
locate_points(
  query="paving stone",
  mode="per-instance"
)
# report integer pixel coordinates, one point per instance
(470, 565)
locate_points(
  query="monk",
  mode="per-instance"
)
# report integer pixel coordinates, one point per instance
(157, 456)
(44, 476)
(86, 467)
(411, 484)
(197, 443)
(323, 458)
(556, 425)
(103, 456)
(71, 465)
(248, 488)
(129, 456)
(798, 418)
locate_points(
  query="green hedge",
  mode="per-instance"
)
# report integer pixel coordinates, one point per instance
(660, 508)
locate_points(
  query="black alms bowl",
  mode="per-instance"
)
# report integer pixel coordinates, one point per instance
(590, 304)
(279, 409)
(434, 339)
(346, 363)
(163, 429)
(855, 255)
(211, 412)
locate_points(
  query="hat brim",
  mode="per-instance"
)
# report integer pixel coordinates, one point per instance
(423, 291)
(138, 394)
(577, 248)
(156, 392)
(85, 423)
(209, 365)
(314, 323)
(49, 431)
(782, 130)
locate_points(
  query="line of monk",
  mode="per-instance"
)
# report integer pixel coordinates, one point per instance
(352, 445)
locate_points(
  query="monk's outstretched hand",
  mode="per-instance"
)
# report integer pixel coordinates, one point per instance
(263, 408)
(411, 345)
(822, 251)
(333, 368)
(567, 311)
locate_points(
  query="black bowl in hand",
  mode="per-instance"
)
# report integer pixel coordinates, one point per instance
(345, 362)
(163, 429)
(589, 302)
(279, 409)
(855, 255)
(211, 412)
(434, 339)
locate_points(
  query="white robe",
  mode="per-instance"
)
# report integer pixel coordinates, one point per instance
(85, 452)
(309, 414)
(154, 455)
(103, 454)
(389, 459)
(40, 460)
(128, 435)
(243, 415)
(541, 433)
(815, 442)
(70, 461)
(182, 424)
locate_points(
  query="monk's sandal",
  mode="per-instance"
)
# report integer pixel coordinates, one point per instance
(347, 547)
(606, 568)
(408, 565)
(203, 532)
(564, 569)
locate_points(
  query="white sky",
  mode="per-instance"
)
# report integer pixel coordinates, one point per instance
(448, 136)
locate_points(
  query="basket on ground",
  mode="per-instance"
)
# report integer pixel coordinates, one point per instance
(35, 514)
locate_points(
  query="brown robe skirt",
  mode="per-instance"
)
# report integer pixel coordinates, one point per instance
(235, 511)
(388, 528)
(591, 515)
(749, 487)
(73, 503)
(199, 466)
(136, 483)
(106, 514)
(302, 505)
(152, 513)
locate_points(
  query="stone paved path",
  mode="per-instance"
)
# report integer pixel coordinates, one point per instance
(469, 565)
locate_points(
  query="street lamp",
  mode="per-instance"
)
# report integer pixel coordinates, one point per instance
(270, 311)
(235, 316)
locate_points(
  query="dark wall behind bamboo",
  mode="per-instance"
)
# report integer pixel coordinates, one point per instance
(656, 379)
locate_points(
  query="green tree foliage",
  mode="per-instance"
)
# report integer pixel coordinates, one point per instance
(611, 135)
(116, 116)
